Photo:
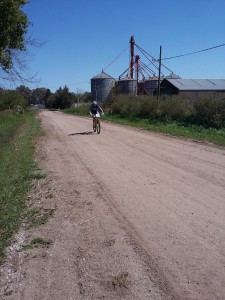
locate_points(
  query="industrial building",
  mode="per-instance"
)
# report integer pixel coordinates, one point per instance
(102, 85)
(192, 88)
(129, 82)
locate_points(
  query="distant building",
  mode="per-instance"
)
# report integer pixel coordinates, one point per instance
(101, 86)
(191, 88)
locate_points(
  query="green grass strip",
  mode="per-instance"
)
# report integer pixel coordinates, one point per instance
(17, 168)
(198, 133)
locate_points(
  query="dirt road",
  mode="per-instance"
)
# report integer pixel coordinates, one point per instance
(137, 215)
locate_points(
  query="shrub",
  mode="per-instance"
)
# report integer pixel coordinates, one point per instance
(148, 107)
(123, 105)
(134, 106)
(175, 108)
(10, 99)
(210, 111)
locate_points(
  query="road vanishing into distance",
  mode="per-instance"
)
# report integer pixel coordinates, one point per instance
(137, 215)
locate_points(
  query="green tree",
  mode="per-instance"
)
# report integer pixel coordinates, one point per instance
(50, 101)
(10, 99)
(40, 96)
(13, 28)
(25, 92)
(63, 98)
(86, 97)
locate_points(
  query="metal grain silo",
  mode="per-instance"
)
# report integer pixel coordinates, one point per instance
(151, 85)
(141, 87)
(172, 75)
(101, 86)
(127, 86)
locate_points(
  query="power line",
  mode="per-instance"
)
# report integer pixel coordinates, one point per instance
(194, 52)
(153, 59)
(144, 53)
(115, 59)
(68, 85)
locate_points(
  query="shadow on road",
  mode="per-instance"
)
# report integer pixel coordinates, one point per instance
(82, 133)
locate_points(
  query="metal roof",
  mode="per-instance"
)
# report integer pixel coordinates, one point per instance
(102, 75)
(197, 84)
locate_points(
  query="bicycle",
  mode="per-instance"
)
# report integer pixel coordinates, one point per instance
(96, 123)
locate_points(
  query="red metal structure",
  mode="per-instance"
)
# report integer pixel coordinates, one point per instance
(137, 71)
(132, 57)
(137, 68)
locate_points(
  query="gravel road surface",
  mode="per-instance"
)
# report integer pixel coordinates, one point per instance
(137, 215)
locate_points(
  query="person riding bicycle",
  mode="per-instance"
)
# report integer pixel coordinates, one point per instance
(94, 111)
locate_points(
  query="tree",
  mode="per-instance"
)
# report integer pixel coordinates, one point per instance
(25, 92)
(14, 41)
(40, 95)
(86, 97)
(10, 99)
(63, 98)
(13, 27)
(50, 101)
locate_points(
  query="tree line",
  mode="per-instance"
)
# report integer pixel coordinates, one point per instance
(24, 96)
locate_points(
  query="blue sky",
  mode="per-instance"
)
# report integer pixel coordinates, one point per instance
(84, 36)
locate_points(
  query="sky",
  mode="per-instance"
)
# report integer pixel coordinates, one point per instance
(82, 37)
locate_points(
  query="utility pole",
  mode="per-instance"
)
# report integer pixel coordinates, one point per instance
(78, 100)
(160, 61)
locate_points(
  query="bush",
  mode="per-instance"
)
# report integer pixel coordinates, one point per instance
(175, 108)
(210, 111)
(148, 107)
(207, 111)
(134, 106)
(122, 105)
(11, 99)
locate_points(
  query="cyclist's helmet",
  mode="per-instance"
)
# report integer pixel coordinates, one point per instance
(94, 102)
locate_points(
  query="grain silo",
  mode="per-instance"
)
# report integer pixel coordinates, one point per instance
(172, 75)
(151, 85)
(126, 86)
(101, 86)
(141, 87)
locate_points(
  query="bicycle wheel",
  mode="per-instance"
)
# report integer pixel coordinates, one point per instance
(98, 126)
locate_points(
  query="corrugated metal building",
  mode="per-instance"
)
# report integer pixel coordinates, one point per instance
(192, 87)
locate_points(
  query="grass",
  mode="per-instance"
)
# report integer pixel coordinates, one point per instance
(37, 242)
(17, 169)
(38, 216)
(199, 133)
(81, 111)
